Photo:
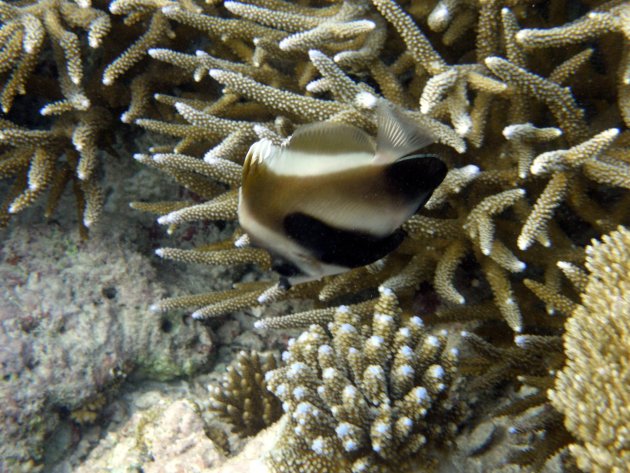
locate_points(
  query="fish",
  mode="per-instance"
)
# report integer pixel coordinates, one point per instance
(331, 197)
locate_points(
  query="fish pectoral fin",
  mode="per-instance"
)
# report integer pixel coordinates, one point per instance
(398, 135)
(336, 246)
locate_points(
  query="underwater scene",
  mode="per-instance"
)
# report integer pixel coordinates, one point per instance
(314, 236)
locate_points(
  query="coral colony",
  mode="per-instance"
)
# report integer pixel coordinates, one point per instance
(526, 103)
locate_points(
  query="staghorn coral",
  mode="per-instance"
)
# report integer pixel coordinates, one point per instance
(483, 208)
(60, 58)
(25, 28)
(242, 398)
(365, 394)
(535, 138)
(591, 391)
(529, 106)
(41, 160)
(585, 424)
(538, 159)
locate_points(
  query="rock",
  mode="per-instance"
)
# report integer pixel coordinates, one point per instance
(74, 323)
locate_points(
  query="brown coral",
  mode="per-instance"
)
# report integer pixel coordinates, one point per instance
(242, 399)
(41, 160)
(483, 205)
(367, 394)
(531, 172)
(592, 389)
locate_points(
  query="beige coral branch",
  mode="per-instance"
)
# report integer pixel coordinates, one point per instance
(591, 391)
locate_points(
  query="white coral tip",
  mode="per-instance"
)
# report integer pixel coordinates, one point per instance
(170, 9)
(231, 6)
(312, 86)
(181, 107)
(385, 291)
(521, 36)
(216, 74)
(494, 60)
(315, 54)
(611, 133)
(242, 241)
(510, 131)
(165, 219)
(440, 13)
(160, 252)
(463, 128)
(365, 100)
(470, 171)
(520, 340)
(366, 25)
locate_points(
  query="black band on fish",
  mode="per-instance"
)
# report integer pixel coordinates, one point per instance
(336, 246)
(415, 176)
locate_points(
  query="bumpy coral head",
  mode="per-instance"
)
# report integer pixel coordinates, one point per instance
(367, 394)
(332, 198)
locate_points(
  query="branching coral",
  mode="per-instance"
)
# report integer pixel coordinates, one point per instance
(26, 26)
(41, 160)
(592, 389)
(589, 394)
(367, 394)
(537, 160)
(482, 209)
(242, 399)
(73, 39)
(529, 107)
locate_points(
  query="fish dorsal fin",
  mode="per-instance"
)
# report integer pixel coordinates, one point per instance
(323, 148)
(260, 152)
(327, 138)
(398, 135)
